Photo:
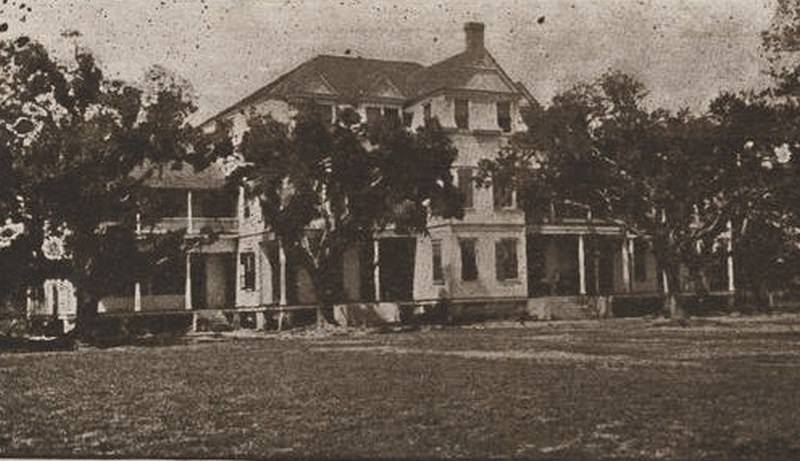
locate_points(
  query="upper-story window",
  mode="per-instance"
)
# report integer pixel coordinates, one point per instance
(462, 113)
(504, 116)
(465, 185)
(325, 112)
(376, 114)
(373, 115)
(502, 193)
(426, 113)
(392, 115)
(408, 119)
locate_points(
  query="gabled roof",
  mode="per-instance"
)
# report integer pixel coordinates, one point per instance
(348, 78)
(456, 72)
(351, 79)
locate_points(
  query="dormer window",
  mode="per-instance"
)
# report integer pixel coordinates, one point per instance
(325, 113)
(462, 114)
(408, 119)
(504, 116)
(373, 115)
(376, 114)
(392, 115)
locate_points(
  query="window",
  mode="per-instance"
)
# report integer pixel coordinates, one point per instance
(373, 115)
(469, 263)
(325, 112)
(392, 115)
(505, 253)
(639, 260)
(426, 113)
(502, 193)
(438, 271)
(462, 114)
(248, 274)
(504, 116)
(408, 119)
(465, 185)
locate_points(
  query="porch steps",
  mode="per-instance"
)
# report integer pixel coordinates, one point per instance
(563, 308)
(212, 320)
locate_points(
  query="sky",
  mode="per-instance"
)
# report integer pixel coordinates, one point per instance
(685, 51)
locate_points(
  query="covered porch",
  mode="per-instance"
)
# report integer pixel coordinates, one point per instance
(585, 261)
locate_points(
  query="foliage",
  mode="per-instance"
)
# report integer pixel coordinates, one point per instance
(69, 140)
(662, 175)
(324, 188)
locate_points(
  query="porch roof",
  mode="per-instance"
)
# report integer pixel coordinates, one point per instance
(576, 229)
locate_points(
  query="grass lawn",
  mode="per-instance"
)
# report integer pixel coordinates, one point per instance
(636, 389)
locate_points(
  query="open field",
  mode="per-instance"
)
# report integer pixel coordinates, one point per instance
(726, 388)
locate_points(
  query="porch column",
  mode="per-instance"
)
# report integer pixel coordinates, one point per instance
(731, 281)
(29, 302)
(665, 281)
(189, 228)
(626, 266)
(188, 290)
(376, 269)
(632, 261)
(282, 262)
(137, 297)
(581, 265)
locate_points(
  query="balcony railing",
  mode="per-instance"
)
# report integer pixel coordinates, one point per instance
(194, 225)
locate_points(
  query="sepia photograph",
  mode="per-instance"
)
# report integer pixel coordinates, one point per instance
(374, 229)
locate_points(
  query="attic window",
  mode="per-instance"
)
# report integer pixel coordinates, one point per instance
(426, 113)
(462, 113)
(504, 116)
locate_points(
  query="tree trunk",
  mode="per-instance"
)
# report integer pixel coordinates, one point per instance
(86, 318)
(673, 306)
(320, 279)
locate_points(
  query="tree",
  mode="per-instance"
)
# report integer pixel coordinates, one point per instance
(70, 139)
(761, 130)
(325, 188)
(657, 174)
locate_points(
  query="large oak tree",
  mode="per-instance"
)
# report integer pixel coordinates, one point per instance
(325, 188)
(70, 137)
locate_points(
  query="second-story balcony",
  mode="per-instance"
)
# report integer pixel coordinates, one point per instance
(196, 211)
(184, 198)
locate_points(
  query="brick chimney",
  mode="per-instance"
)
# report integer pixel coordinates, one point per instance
(473, 32)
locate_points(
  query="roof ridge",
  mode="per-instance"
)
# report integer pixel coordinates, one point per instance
(396, 61)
